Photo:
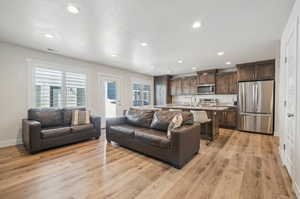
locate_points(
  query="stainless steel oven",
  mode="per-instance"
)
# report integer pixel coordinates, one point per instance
(206, 89)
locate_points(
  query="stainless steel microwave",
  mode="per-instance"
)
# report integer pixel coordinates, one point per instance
(206, 89)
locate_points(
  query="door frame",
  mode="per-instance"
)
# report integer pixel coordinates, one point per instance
(101, 78)
(293, 28)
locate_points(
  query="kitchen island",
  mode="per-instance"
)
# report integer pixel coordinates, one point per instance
(213, 113)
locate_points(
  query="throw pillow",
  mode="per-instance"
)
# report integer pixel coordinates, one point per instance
(175, 123)
(80, 117)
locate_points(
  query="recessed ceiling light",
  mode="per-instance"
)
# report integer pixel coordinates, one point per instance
(194, 68)
(51, 50)
(228, 63)
(221, 53)
(49, 36)
(113, 55)
(144, 44)
(180, 61)
(73, 9)
(197, 24)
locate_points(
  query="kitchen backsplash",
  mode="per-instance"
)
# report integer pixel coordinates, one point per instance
(222, 99)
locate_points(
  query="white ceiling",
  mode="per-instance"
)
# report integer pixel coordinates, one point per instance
(246, 30)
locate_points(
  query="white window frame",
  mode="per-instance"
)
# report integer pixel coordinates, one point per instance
(143, 82)
(34, 63)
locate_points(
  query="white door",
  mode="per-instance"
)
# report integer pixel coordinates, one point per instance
(111, 97)
(291, 99)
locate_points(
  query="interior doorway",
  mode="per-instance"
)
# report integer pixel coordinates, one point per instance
(290, 50)
(111, 97)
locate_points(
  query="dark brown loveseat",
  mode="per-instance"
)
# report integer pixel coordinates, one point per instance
(146, 131)
(49, 127)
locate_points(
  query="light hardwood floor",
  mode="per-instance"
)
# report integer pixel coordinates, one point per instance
(237, 165)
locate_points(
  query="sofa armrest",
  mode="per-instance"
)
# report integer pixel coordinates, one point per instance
(31, 135)
(185, 142)
(114, 121)
(96, 121)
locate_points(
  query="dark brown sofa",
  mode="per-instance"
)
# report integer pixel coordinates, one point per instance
(49, 127)
(146, 132)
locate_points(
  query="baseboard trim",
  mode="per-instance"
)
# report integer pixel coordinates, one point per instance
(276, 133)
(10, 142)
(297, 189)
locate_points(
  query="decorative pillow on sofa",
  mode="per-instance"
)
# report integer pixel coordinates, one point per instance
(162, 119)
(80, 117)
(139, 117)
(175, 123)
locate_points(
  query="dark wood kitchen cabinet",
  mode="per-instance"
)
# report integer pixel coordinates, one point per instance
(186, 85)
(226, 83)
(162, 90)
(228, 119)
(262, 70)
(194, 83)
(265, 70)
(207, 77)
(176, 87)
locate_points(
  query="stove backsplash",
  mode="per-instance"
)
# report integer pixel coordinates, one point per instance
(222, 99)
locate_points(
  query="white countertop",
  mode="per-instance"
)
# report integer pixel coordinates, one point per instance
(206, 108)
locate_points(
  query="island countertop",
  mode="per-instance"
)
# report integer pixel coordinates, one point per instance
(201, 108)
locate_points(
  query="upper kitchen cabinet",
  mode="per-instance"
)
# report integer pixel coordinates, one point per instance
(162, 90)
(263, 70)
(226, 83)
(194, 83)
(207, 77)
(186, 85)
(246, 72)
(176, 87)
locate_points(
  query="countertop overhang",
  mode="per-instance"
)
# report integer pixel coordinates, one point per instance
(203, 108)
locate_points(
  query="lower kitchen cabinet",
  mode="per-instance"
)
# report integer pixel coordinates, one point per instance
(228, 119)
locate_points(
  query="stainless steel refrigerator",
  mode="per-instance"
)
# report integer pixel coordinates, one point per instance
(256, 101)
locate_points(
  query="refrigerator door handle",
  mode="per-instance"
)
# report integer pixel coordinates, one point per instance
(256, 93)
(253, 96)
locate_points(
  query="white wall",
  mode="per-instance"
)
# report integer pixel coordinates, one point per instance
(282, 128)
(14, 85)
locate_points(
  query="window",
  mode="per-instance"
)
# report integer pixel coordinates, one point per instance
(141, 94)
(55, 88)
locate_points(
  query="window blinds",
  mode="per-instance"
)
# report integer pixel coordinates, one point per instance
(48, 87)
(76, 89)
(59, 89)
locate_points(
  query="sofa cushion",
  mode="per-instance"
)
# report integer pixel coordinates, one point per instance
(162, 119)
(55, 132)
(153, 137)
(122, 130)
(67, 114)
(80, 117)
(140, 117)
(48, 117)
(83, 127)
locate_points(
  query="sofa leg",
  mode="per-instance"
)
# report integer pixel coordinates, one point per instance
(177, 166)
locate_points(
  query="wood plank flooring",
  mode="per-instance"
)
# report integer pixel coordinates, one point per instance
(236, 165)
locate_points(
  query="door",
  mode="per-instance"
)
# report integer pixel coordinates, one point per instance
(291, 99)
(260, 123)
(247, 97)
(111, 97)
(264, 95)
